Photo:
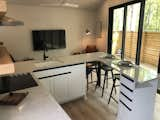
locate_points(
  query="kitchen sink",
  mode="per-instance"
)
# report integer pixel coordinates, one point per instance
(46, 63)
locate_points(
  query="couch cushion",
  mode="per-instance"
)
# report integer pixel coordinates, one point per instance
(91, 48)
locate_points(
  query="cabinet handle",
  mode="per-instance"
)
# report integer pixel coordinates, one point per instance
(39, 70)
(125, 105)
(126, 96)
(126, 87)
(128, 78)
(55, 75)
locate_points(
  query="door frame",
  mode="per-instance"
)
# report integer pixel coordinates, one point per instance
(140, 28)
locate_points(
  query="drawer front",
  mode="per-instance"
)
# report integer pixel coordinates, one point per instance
(60, 88)
(127, 101)
(51, 72)
(127, 92)
(78, 82)
(127, 82)
(123, 112)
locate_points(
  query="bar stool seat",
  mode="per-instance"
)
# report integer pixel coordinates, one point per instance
(106, 68)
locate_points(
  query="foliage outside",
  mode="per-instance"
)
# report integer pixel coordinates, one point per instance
(151, 17)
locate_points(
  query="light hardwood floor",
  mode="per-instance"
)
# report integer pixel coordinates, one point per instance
(96, 108)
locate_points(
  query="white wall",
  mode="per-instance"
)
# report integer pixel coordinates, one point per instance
(18, 39)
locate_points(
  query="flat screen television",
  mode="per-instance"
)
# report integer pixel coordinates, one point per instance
(48, 39)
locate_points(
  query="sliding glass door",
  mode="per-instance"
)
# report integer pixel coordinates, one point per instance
(131, 33)
(125, 30)
(150, 51)
(118, 15)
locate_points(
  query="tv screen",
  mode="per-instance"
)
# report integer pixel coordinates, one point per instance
(48, 39)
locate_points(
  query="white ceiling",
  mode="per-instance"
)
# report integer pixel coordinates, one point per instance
(90, 4)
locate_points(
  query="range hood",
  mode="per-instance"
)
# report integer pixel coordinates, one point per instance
(4, 20)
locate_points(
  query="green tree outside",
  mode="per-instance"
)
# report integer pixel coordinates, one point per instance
(152, 16)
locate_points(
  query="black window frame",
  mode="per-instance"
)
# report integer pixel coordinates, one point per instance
(140, 28)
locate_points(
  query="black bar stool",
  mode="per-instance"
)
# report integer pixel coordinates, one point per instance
(90, 68)
(116, 77)
(107, 69)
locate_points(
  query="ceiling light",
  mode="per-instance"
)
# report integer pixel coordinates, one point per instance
(50, 4)
(73, 5)
(70, 5)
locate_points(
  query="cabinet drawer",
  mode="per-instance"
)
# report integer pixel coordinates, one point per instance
(127, 92)
(124, 113)
(51, 72)
(127, 101)
(127, 82)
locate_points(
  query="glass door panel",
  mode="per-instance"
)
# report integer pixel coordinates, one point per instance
(150, 50)
(118, 15)
(125, 30)
(131, 36)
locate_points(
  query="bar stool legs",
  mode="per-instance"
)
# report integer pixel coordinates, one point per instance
(89, 71)
(87, 83)
(105, 78)
(113, 88)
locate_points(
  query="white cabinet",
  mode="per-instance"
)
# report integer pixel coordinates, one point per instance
(59, 87)
(77, 83)
(64, 83)
(124, 112)
(136, 102)
(46, 83)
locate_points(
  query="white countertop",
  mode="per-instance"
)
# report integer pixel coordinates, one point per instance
(30, 66)
(137, 73)
(38, 105)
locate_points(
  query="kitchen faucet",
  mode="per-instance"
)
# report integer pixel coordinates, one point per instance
(44, 51)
